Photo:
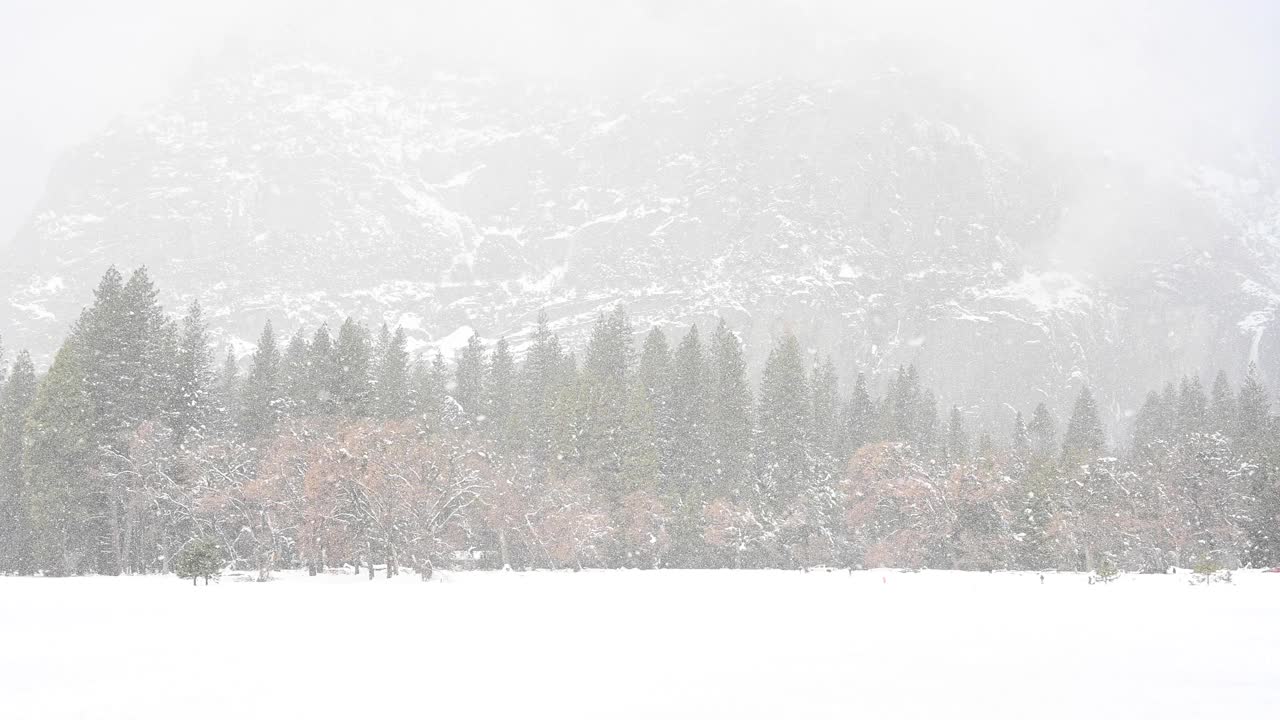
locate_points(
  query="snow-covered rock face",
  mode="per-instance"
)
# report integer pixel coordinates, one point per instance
(884, 222)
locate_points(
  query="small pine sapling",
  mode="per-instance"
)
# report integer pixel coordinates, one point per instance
(199, 558)
(1106, 572)
(1207, 572)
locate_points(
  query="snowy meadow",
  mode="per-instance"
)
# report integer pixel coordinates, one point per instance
(643, 644)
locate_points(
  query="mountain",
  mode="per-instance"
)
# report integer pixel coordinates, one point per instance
(886, 220)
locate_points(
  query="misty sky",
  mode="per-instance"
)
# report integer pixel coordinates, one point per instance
(1152, 76)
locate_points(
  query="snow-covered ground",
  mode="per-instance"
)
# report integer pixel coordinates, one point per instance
(622, 644)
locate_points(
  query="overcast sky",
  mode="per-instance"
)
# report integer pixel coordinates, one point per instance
(1150, 74)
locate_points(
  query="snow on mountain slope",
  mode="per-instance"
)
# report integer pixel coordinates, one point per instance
(886, 221)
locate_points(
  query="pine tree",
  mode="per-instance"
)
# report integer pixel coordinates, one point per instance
(785, 422)
(1021, 438)
(654, 378)
(1253, 415)
(1148, 428)
(639, 468)
(120, 356)
(191, 406)
(1030, 523)
(688, 432)
(1222, 405)
(1256, 445)
(903, 401)
(541, 390)
(957, 437)
(199, 558)
(128, 348)
(59, 453)
(566, 399)
(227, 395)
(295, 377)
(689, 427)
(730, 418)
(1169, 425)
(1044, 432)
(859, 417)
(654, 369)
(1084, 439)
(500, 389)
(433, 394)
(352, 389)
(603, 399)
(105, 359)
(16, 398)
(609, 351)
(825, 411)
(324, 376)
(394, 399)
(149, 340)
(911, 412)
(1192, 412)
(926, 435)
(986, 451)
(469, 377)
(262, 401)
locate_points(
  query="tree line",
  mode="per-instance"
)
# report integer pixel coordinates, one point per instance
(343, 449)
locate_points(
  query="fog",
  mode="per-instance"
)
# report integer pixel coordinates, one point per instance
(1153, 78)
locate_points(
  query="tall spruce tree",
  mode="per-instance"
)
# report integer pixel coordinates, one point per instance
(151, 339)
(654, 379)
(1257, 447)
(191, 405)
(394, 398)
(1193, 406)
(689, 428)
(911, 412)
(825, 411)
(957, 437)
(1222, 406)
(60, 451)
(541, 390)
(121, 356)
(639, 448)
(227, 395)
(1149, 430)
(730, 421)
(1021, 438)
(128, 349)
(1253, 414)
(1084, 439)
(323, 364)
(903, 401)
(500, 389)
(603, 399)
(1044, 432)
(352, 390)
(469, 376)
(859, 421)
(16, 398)
(434, 403)
(688, 432)
(295, 377)
(926, 436)
(986, 450)
(785, 431)
(262, 401)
